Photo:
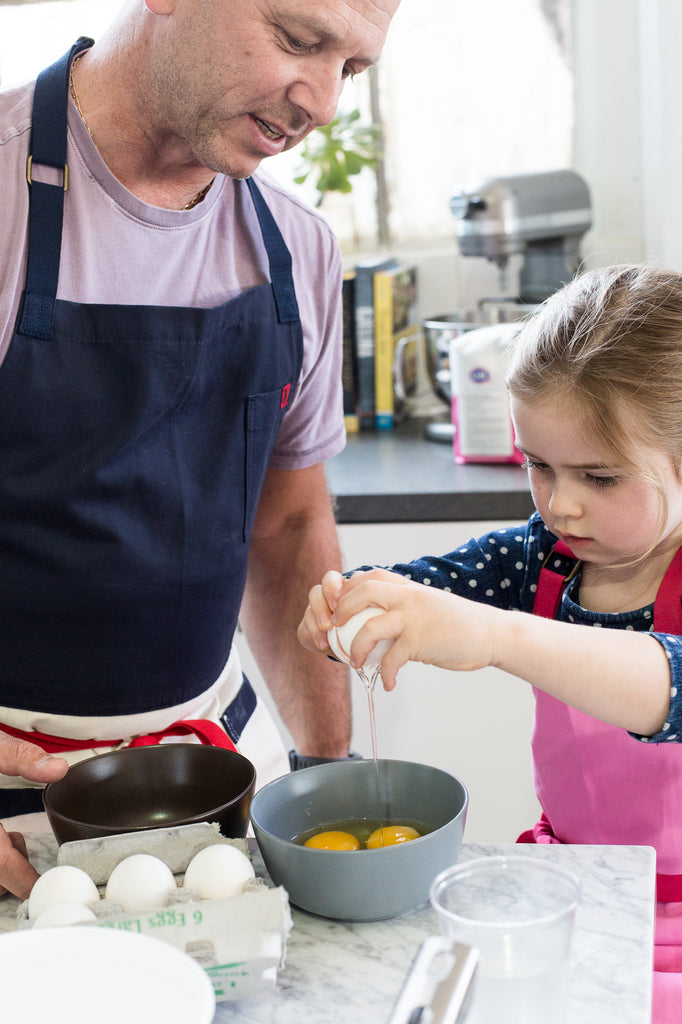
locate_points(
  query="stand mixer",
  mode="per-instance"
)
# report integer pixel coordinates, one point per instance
(542, 217)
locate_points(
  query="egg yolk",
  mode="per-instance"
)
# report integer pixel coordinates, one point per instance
(333, 841)
(392, 835)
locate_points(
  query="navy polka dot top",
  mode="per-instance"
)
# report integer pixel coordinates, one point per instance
(502, 569)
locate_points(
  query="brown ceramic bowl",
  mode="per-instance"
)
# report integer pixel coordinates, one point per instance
(139, 788)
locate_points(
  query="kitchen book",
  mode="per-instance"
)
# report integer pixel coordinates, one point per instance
(364, 335)
(397, 337)
(349, 371)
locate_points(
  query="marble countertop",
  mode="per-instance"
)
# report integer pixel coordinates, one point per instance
(399, 475)
(343, 971)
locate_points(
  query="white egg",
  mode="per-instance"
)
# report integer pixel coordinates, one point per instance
(62, 884)
(140, 882)
(218, 871)
(341, 637)
(64, 913)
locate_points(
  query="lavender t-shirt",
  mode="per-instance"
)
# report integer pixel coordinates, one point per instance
(117, 249)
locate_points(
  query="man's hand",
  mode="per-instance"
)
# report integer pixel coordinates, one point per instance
(18, 757)
(17, 875)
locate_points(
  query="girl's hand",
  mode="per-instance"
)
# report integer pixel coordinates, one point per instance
(427, 625)
(318, 618)
(320, 615)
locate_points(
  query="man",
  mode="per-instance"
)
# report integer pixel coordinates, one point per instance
(169, 386)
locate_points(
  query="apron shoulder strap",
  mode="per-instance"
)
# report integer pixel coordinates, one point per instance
(46, 208)
(561, 565)
(279, 259)
(558, 569)
(46, 202)
(668, 604)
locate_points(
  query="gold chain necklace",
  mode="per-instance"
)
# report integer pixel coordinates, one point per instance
(199, 196)
(75, 96)
(188, 206)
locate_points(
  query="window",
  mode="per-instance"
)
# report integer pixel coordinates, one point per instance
(32, 35)
(467, 90)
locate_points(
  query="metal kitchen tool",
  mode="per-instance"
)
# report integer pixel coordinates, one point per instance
(439, 986)
(441, 331)
(542, 217)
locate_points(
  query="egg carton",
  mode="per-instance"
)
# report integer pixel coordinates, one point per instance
(175, 846)
(240, 941)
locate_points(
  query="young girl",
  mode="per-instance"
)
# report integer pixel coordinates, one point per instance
(595, 385)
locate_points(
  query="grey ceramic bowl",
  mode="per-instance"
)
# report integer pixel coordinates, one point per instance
(363, 885)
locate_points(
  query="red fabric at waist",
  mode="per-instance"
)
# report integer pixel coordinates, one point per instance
(668, 887)
(210, 734)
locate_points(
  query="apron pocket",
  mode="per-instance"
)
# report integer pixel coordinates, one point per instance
(264, 415)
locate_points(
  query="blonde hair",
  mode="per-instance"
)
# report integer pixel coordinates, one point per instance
(610, 345)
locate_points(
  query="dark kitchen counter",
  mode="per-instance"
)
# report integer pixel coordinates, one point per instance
(399, 476)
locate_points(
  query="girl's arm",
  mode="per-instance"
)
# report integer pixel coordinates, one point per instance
(618, 676)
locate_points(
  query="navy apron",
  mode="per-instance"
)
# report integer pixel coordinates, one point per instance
(134, 441)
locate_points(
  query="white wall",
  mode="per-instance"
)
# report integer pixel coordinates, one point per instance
(608, 142)
(660, 34)
(469, 90)
(628, 143)
(473, 724)
(32, 35)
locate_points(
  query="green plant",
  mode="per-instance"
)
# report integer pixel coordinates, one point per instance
(337, 152)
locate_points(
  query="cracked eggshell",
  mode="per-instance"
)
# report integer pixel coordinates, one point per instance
(341, 637)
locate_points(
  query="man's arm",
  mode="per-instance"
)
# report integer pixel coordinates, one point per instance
(293, 544)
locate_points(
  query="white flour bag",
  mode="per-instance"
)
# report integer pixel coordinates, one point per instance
(480, 402)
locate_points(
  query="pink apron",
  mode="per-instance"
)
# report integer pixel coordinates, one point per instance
(598, 785)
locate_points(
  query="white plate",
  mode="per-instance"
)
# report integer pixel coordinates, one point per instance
(81, 974)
